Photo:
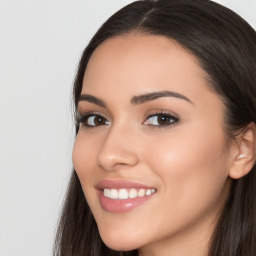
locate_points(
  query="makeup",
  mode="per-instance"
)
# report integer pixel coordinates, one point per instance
(153, 166)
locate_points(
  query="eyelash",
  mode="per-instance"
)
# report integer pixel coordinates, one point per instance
(83, 119)
(172, 119)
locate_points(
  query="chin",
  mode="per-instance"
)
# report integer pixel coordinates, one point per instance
(118, 242)
(120, 245)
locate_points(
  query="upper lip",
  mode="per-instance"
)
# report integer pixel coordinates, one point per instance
(118, 184)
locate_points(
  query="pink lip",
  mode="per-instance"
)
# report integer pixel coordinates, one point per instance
(120, 205)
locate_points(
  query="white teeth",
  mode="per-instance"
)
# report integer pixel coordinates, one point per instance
(105, 192)
(142, 192)
(127, 193)
(114, 193)
(123, 194)
(133, 193)
(148, 192)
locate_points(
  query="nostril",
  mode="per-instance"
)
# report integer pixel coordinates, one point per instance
(117, 150)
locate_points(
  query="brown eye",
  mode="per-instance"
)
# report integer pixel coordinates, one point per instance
(95, 120)
(161, 120)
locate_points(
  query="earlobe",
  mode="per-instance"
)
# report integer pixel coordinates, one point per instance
(245, 156)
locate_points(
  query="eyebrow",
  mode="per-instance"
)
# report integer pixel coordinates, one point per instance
(136, 100)
(156, 95)
(92, 99)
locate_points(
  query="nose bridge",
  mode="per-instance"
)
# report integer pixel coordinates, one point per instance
(118, 148)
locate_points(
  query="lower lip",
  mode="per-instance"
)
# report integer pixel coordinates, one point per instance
(120, 206)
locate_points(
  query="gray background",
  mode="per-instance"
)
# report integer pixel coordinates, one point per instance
(40, 45)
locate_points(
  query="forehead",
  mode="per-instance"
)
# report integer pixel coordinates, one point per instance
(138, 63)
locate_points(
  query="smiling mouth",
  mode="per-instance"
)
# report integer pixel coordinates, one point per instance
(120, 196)
(125, 193)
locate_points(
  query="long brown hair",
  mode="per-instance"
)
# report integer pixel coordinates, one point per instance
(225, 46)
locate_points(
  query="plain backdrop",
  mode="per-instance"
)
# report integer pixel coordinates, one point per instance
(40, 46)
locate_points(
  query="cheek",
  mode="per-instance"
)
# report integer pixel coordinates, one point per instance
(187, 153)
(193, 174)
(84, 162)
(83, 158)
(79, 155)
(193, 170)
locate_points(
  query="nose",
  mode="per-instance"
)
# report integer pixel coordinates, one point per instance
(118, 150)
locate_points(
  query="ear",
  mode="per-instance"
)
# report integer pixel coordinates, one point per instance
(244, 156)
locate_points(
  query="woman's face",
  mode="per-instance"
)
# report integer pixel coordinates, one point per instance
(151, 152)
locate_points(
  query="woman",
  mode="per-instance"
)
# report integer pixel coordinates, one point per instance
(164, 158)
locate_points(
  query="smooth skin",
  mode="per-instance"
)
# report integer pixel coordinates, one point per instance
(177, 145)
